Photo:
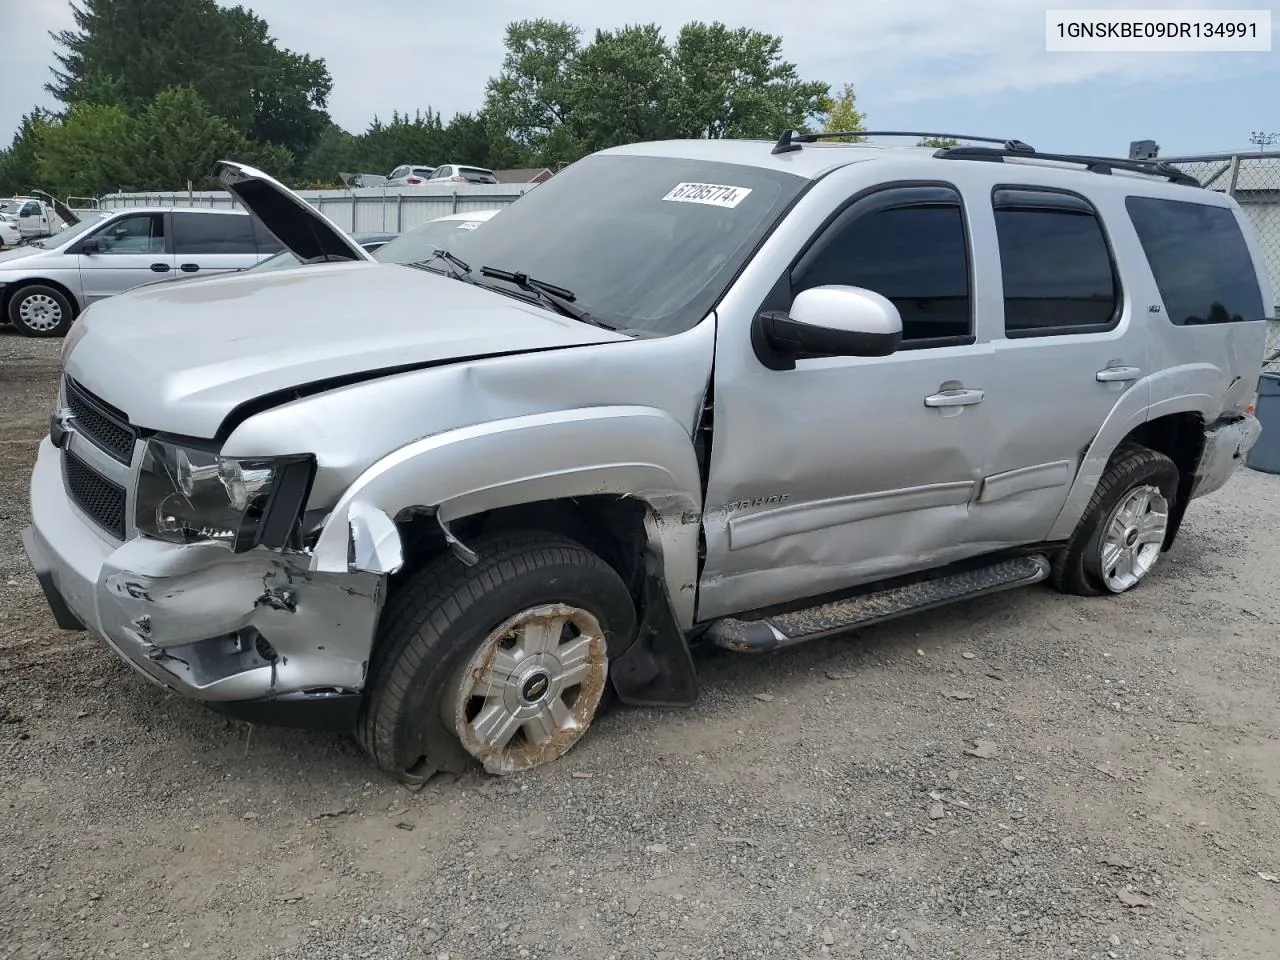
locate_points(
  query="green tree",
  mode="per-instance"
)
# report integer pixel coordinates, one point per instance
(619, 89)
(129, 51)
(734, 83)
(177, 139)
(531, 96)
(842, 114)
(561, 100)
(19, 164)
(88, 151)
(938, 143)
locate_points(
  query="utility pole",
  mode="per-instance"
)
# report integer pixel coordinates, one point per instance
(1263, 140)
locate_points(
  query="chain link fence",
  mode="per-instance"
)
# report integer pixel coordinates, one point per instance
(1253, 179)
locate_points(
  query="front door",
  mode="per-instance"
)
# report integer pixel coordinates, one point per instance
(33, 220)
(207, 244)
(125, 252)
(847, 470)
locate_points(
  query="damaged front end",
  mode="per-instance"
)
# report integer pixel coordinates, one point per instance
(192, 566)
(259, 636)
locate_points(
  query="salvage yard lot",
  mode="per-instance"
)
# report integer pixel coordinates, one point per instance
(1028, 775)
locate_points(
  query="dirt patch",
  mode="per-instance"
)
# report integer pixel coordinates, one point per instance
(1122, 802)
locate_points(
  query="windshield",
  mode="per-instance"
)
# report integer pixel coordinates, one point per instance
(70, 233)
(644, 243)
(284, 258)
(417, 245)
(10, 207)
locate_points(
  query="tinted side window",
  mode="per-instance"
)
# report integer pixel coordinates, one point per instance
(1199, 259)
(1058, 272)
(914, 253)
(212, 233)
(266, 240)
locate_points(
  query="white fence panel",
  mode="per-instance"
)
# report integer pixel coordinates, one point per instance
(365, 210)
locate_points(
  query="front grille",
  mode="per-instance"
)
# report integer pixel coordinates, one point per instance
(97, 496)
(100, 422)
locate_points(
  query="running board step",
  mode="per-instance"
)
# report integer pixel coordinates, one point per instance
(786, 629)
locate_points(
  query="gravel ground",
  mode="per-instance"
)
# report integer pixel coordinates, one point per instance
(1024, 776)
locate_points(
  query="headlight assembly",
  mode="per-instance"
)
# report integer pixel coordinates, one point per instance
(188, 495)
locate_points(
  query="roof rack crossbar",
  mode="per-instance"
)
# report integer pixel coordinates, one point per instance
(1105, 165)
(791, 139)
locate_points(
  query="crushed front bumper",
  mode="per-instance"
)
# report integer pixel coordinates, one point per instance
(257, 634)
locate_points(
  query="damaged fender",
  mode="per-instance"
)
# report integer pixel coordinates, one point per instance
(630, 451)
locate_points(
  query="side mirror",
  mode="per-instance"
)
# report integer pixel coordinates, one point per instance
(831, 321)
(92, 245)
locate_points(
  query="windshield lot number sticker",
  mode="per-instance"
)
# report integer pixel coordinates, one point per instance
(712, 194)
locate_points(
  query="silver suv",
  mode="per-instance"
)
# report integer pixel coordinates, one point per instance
(47, 283)
(727, 393)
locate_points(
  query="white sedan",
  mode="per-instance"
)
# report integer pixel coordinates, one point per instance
(10, 235)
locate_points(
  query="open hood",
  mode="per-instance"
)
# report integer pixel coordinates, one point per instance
(306, 232)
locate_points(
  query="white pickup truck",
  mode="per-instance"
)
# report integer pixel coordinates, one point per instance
(33, 219)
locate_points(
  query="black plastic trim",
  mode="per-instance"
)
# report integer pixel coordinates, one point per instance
(62, 613)
(328, 712)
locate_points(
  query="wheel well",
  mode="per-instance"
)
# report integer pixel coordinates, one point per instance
(1180, 437)
(612, 527)
(11, 289)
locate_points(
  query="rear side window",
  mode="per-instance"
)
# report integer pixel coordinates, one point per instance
(908, 244)
(1058, 273)
(1199, 259)
(211, 233)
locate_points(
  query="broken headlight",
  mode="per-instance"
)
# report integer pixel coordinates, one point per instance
(188, 495)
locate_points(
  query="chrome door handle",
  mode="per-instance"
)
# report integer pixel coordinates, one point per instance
(954, 398)
(1117, 374)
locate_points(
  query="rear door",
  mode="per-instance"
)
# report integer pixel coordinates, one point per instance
(123, 253)
(208, 244)
(1070, 348)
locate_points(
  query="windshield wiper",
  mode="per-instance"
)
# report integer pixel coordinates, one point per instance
(460, 266)
(556, 297)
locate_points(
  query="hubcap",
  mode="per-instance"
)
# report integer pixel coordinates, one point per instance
(1132, 538)
(531, 689)
(40, 312)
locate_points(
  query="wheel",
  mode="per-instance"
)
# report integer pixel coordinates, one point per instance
(1122, 533)
(39, 311)
(504, 663)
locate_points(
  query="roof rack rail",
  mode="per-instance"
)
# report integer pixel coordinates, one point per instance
(791, 139)
(1153, 168)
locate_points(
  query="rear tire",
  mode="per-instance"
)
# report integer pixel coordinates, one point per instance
(504, 663)
(1122, 532)
(40, 311)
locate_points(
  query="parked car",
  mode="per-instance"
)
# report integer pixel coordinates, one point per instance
(35, 218)
(45, 284)
(418, 244)
(409, 175)
(285, 258)
(10, 235)
(700, 392)
(455, 173)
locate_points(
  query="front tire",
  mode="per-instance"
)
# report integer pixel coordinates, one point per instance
(40, 311)
(504, 663)
(1122, 533)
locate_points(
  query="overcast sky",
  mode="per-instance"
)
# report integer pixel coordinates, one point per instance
(968, 66)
